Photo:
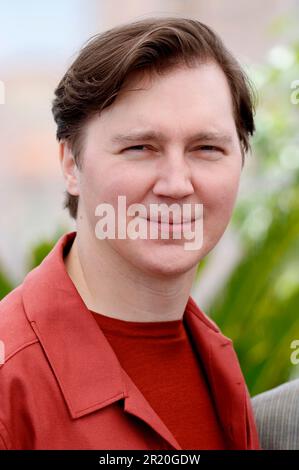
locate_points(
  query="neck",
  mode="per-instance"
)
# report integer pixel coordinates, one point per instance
(111, 286)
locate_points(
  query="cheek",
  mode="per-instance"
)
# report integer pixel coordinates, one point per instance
(106, 184)
(219, 193)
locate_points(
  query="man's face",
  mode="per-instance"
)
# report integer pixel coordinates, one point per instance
(192, 157)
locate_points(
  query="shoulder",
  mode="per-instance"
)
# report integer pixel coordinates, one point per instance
(277, 416)
(24, 373)
(15, 330)
(285, 395)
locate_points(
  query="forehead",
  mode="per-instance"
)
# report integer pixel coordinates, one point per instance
(182, 84)
(180, 99)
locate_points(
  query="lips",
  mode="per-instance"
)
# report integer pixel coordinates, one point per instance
(170, 222)
(181, 217)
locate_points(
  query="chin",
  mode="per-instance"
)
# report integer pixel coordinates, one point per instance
(166, 260)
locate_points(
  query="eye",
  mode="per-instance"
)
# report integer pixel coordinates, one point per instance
(136, 147)
(210, 152)
(210, 148)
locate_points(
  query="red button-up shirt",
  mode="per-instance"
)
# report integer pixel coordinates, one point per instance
(62, 386)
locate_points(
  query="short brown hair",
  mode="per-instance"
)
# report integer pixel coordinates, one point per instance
(95, 78)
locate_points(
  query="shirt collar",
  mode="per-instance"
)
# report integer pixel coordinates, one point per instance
(66, 329)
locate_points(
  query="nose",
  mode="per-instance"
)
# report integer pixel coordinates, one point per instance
(173, 177)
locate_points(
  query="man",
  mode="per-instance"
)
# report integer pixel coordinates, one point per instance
(277, 417)
(105, 348)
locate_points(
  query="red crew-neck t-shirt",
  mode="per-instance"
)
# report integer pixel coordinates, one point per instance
(162, 362)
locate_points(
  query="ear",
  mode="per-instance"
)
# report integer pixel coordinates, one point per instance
(69, 168)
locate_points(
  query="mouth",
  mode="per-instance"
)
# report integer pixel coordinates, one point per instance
(171, 227)
(171, 222)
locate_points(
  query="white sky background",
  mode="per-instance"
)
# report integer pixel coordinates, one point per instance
(35, 31)
(38, 40)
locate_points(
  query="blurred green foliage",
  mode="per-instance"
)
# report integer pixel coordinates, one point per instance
(259, 305)
(6, 284)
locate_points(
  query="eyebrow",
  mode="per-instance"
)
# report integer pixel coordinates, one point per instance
(159, 136)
